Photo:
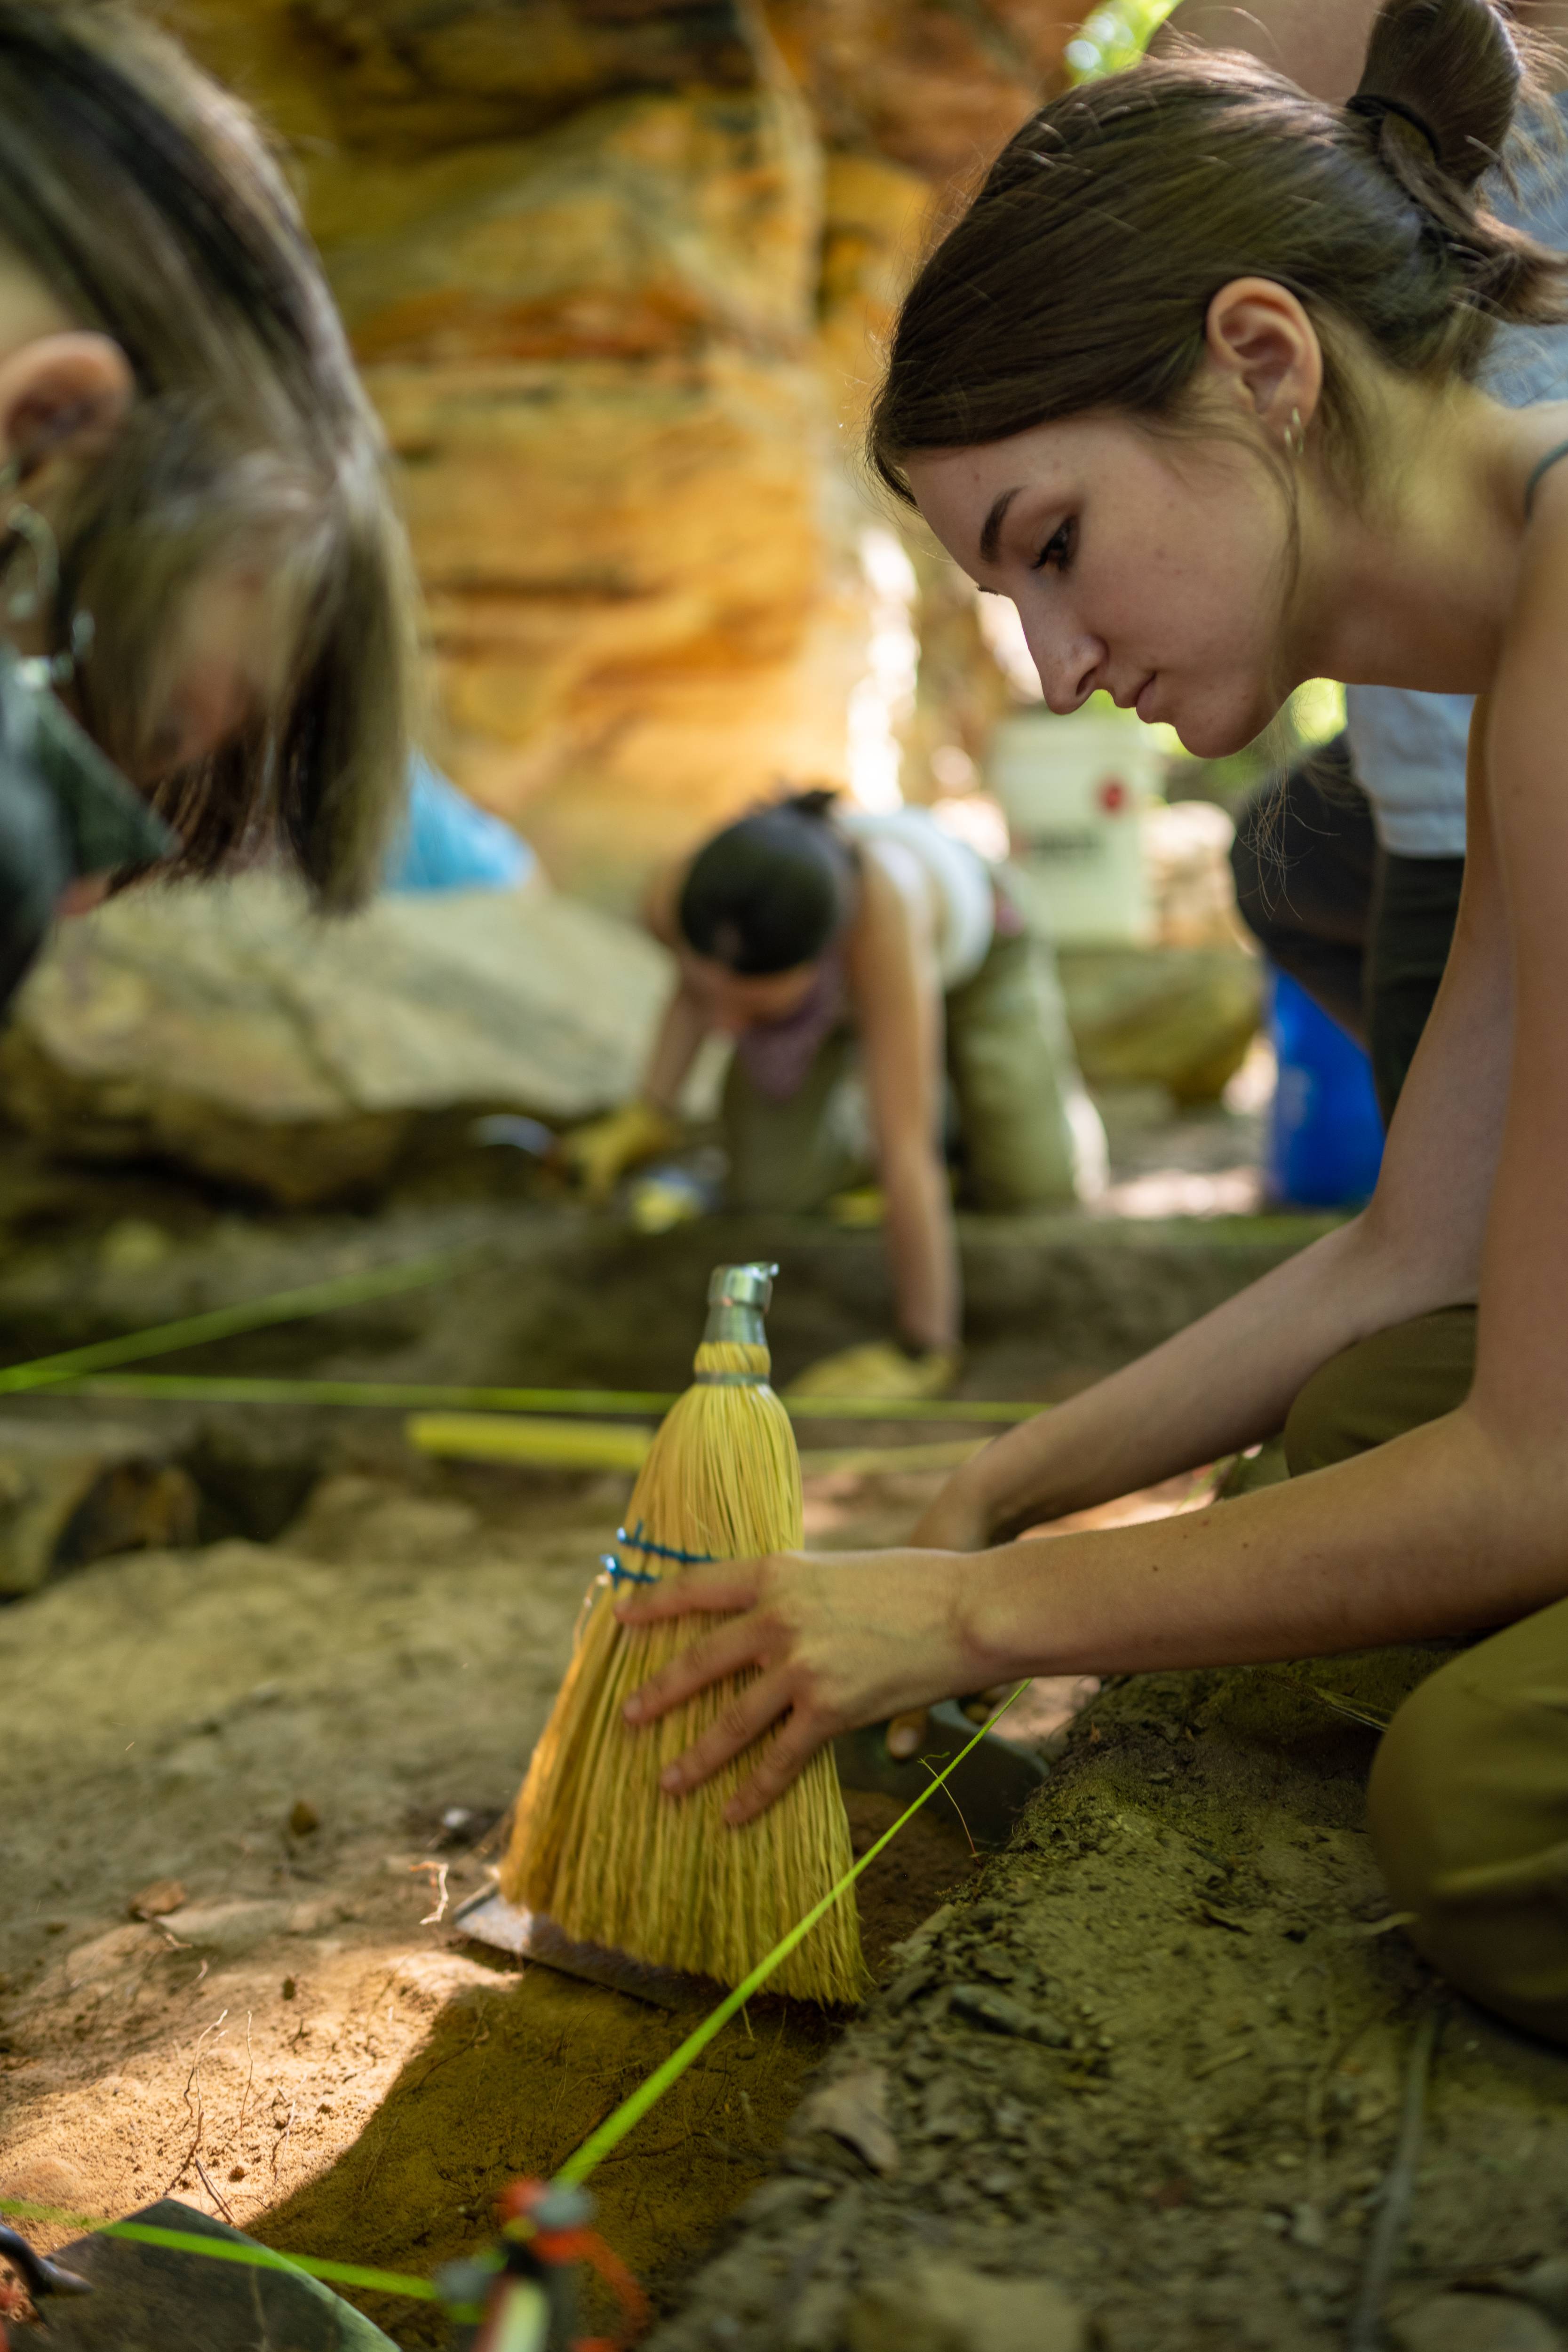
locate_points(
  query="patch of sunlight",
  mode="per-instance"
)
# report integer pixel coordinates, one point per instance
(1318, 710)
(1116, 34)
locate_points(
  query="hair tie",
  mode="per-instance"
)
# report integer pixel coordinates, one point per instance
(1369, 104)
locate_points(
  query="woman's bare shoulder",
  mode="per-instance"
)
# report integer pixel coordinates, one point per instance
(661, 898)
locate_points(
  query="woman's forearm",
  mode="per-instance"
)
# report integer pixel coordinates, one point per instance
(922, 1249)
(682, 1032)
(1447, 1530)
(1224, 1383)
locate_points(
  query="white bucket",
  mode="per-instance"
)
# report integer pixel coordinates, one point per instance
(1074, 791)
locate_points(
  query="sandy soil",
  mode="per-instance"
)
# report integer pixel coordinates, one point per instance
(313, 1738)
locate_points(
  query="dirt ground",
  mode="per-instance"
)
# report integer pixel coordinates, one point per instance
(315, 1738)
(1153, 2053)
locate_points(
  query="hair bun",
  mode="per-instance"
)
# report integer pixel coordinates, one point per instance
(1441, 82)
(818, 801)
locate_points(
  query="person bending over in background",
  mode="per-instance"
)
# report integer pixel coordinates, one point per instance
(824, 938)
(1349, 869)
(206, 642)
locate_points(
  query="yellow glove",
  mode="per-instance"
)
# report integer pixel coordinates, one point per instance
(596, 1154)
(879, 1368)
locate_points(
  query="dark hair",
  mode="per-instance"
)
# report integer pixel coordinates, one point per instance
(773, 891)
(1082, 274)
(144, 198)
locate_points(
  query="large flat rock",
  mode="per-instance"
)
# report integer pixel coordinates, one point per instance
(227, 1030)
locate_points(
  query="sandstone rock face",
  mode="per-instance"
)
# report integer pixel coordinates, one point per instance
(616, 270)
(225, 1029)
(937, 85)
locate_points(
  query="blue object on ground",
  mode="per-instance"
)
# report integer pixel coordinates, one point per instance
(1325, 1136)
(447, 842)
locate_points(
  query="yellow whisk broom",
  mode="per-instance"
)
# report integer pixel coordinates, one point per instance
(596, 1844)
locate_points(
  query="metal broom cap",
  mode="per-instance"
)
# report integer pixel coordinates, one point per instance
(738, 1298)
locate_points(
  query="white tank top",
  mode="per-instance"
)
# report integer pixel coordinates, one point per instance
(962, 882)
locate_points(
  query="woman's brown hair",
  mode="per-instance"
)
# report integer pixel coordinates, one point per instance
(1080, 275)
(143, 197)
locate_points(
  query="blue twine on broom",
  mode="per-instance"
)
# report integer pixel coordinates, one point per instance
(651, 1550)
(619, 1575)
(636, 1541)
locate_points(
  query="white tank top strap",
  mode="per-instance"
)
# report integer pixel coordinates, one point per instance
(963, 880)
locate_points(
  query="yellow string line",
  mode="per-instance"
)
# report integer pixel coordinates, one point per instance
(219, 1388)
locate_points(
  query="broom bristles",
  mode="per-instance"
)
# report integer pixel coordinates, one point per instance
(595, 1842)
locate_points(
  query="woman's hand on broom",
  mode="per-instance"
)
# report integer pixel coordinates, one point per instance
(834, 1640)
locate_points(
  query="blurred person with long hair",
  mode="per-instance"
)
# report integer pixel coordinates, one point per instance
(206, 636)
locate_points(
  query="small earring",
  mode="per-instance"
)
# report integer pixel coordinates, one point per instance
(1295, 435)
(25, 523)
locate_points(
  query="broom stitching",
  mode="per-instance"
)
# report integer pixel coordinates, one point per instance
(621, 1575)
(637, 1541)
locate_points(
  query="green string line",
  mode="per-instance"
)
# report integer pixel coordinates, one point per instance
(257, 2258)
(223, 1322)
(222, 1388)
(631, 2111)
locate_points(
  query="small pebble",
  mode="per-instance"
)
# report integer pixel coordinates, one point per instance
(992, 1961)
(303, 1818)
(988, 2008)
(157, 1901)
(1473, 2323)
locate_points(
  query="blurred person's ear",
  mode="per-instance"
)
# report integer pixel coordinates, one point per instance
(62, 395)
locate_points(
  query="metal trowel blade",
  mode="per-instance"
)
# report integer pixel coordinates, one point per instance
(490, 1919)
(155, 2298)
(989, 1789)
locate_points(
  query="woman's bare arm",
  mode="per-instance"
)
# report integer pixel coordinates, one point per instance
(1456, 1525)
(1230, 1379)
(897, 990)
(685, 1025)
(686, 1021)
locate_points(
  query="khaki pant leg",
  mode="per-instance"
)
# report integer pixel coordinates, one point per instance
(1395, 1381)
(1028, 1124)
(1469, 1818)
(789, 1157)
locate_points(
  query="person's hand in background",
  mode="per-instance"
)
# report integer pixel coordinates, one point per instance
(879, 1368)
(598, 1154)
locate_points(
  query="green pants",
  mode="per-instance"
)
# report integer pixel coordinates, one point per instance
(1014, 1079)
(1469, 1788)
